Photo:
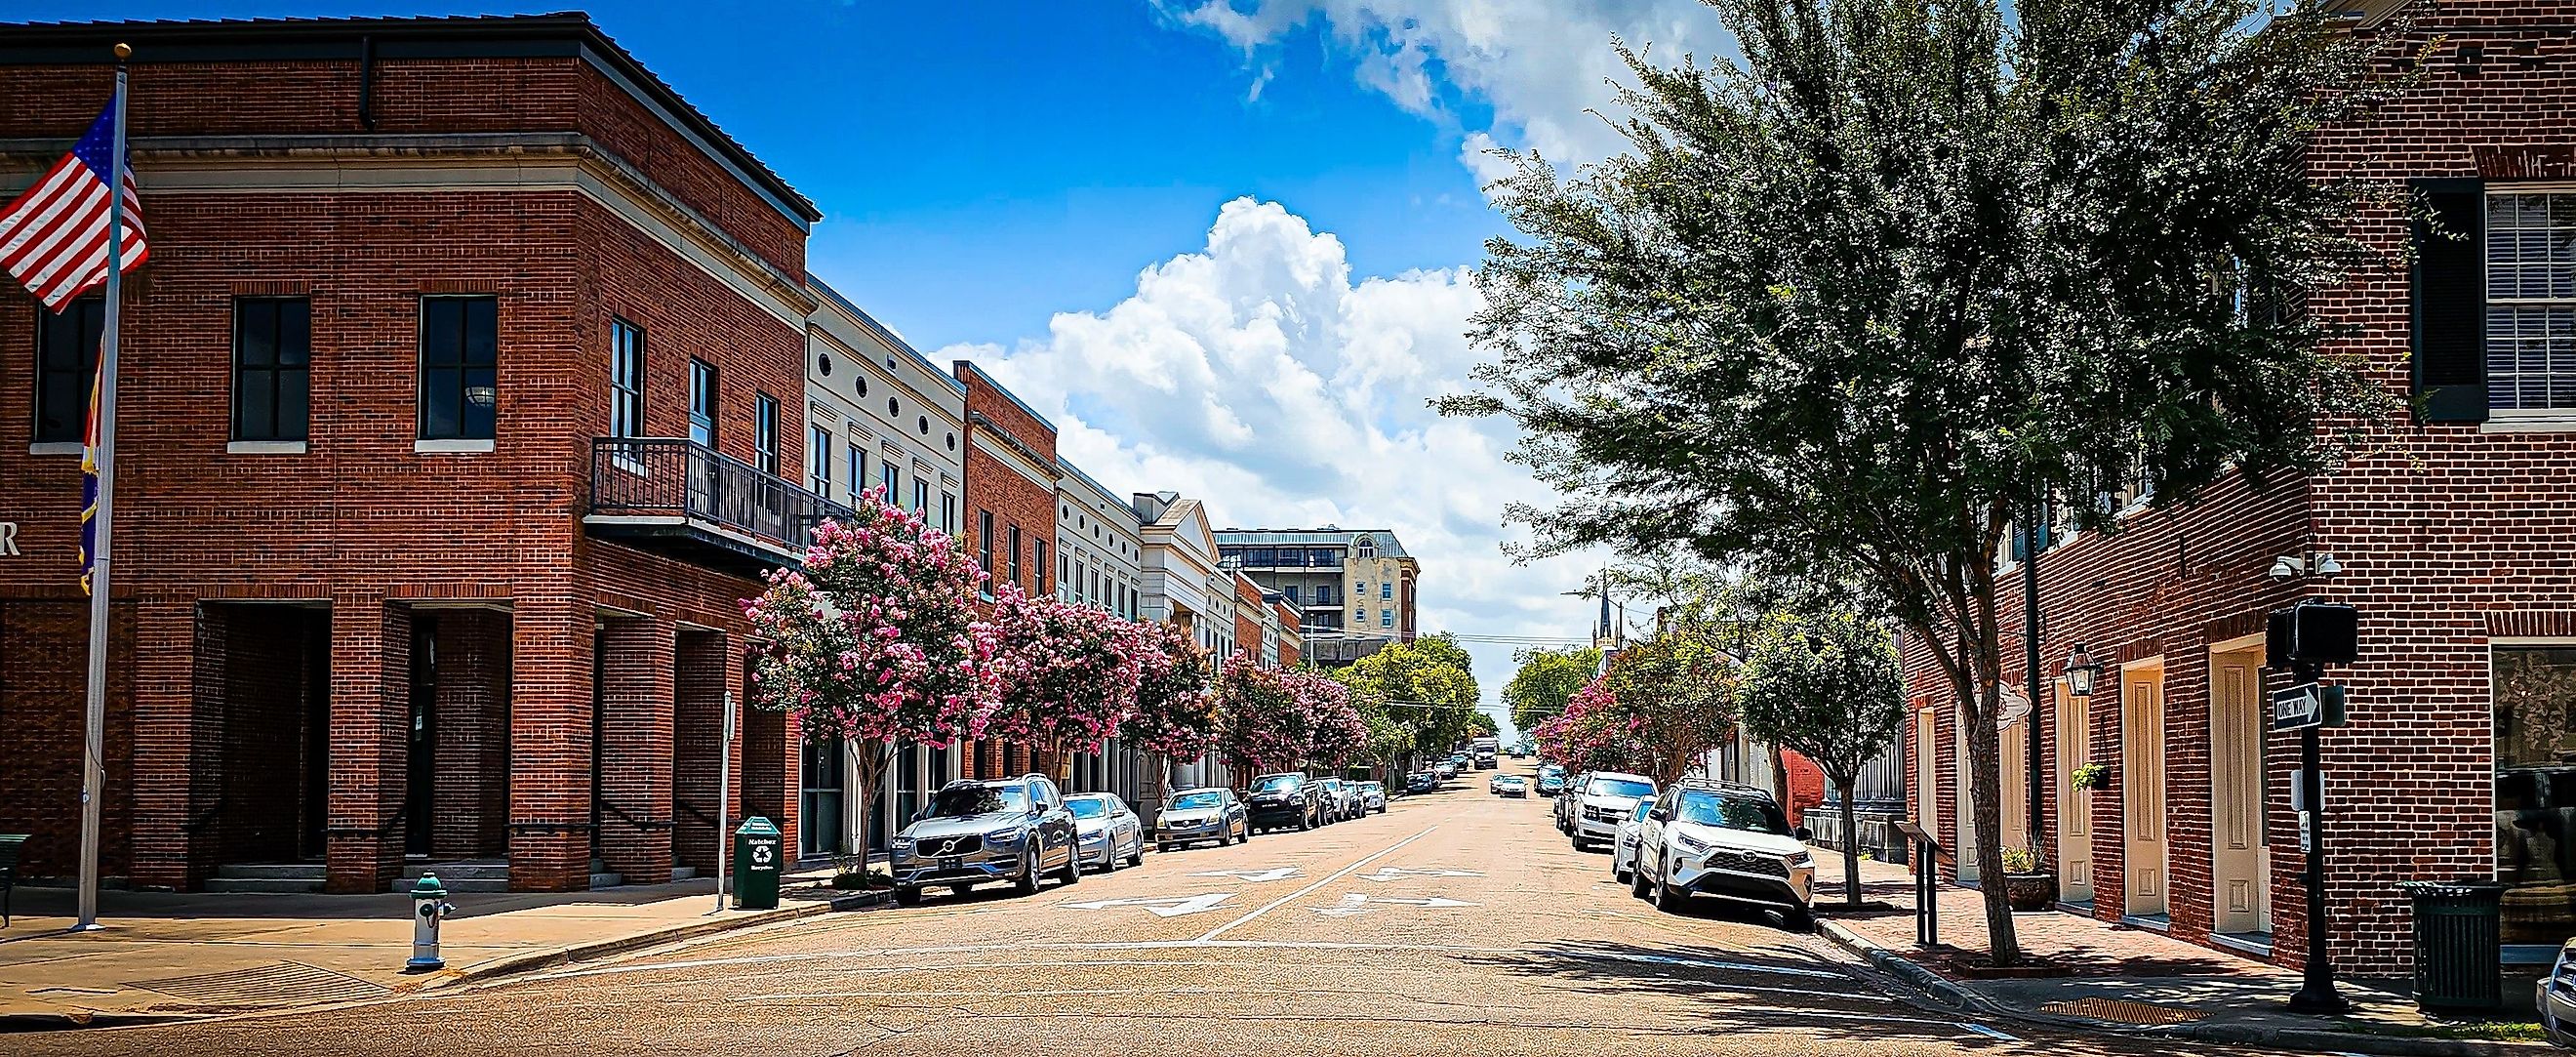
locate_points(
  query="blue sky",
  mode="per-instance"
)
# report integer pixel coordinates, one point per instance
(1225, 245)
(984, 164)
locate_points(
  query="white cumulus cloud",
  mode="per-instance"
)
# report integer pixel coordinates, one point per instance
(1260, 376)
(1542, 68)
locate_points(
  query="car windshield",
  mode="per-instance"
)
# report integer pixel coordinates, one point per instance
(1371, 786)
(960, 801)
(1195, 801)
(1087, 807)
(1620, 787)
(1279, 783)
(1749, 814)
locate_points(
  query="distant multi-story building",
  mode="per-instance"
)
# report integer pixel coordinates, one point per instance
(1354, 587)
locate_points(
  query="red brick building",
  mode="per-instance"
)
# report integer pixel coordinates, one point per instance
(1011, 474)
(459, 407)
(2453, 537)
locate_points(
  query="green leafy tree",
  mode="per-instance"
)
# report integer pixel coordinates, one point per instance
(1428, 685)
(1904, 272)
(1828, 685)
(1547, 679)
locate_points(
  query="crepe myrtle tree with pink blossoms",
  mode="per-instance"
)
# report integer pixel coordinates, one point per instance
(1262, 723)
(1592, 734)
(1068, 672)
(1175, 714)
(1336, 733)
(875, 640)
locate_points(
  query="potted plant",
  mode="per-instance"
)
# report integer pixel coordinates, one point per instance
(2091, 777)
(2026, 885)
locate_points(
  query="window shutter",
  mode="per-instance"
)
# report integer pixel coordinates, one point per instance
(2449, 294)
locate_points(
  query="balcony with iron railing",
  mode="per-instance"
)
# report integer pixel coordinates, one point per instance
(692, 502)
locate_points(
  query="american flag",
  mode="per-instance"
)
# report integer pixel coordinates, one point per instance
(54, 237)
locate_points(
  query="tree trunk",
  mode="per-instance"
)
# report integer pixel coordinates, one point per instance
(872, 769)
(1779, 777)
(1843, 785)
(1985, 765)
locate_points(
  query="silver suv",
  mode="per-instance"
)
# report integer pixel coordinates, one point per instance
(1014, 830)
(1726, 841)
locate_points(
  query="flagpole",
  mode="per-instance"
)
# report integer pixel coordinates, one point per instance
(103, 524)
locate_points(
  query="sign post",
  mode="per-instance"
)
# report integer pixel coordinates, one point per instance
(1927, 907)
(2306, 707)
(724, 798)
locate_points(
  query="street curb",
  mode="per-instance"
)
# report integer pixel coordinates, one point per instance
(585, 952)
(1950, 993)
(492, 970)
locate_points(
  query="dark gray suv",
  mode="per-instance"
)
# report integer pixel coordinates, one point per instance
(1012, 830)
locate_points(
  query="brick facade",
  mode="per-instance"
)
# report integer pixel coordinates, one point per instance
(2448, 536)
(357, 581)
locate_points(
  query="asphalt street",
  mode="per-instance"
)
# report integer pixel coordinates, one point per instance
(1456, 922)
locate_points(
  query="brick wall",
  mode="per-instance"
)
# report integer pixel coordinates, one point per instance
(360, 522)
(2444, 531)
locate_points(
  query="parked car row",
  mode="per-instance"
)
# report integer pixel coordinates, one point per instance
(1022, 830)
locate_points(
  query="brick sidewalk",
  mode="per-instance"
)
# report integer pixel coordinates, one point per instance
(2086, 946)
(2115, 976)
(166, 954)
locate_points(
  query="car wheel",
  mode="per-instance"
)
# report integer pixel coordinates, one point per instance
(1137, 857)
(1027, 882)
(1799, 919)
(1577, 837)
(1617, 872)
(1666, 899)
(1165, 847)
(1073, 865)
(1109, 857)
(1305, 822)
(1637, 879)
(907, 896)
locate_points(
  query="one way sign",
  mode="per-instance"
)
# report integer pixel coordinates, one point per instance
(2307, 705)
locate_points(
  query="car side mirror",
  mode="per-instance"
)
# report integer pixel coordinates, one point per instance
(1803, 834)
(1660, 815)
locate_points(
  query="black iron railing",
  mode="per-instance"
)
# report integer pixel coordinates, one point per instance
(677, 476)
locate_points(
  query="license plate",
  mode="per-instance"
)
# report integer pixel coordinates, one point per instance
(950, 864)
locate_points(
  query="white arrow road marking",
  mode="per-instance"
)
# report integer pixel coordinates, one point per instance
(1275, 873)
(1162, 906)
(1357, 903)
(1390, 873)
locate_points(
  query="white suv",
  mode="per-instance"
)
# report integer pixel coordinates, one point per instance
(1601, 801)
(1725, 841)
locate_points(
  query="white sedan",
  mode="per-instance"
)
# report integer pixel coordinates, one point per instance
(1623, 845)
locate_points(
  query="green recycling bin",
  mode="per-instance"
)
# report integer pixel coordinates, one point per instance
(2459, 961)
(758, 855)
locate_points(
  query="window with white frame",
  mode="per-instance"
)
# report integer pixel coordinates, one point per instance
(2531, 301)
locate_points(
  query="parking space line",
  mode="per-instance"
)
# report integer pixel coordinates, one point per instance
(1318, 883)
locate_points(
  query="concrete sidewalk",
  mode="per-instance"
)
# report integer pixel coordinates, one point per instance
(168, 955)
(2116, 978)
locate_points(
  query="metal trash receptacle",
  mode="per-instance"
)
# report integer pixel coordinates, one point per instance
(2459, 958)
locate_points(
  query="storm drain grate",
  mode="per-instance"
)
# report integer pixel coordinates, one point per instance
(2139, 1013)
(283, 983)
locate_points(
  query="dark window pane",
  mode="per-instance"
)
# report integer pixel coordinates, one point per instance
(441, 331)
(256, 344)
(293, 398)
(440, 391)
(294, 332)
(255, 405)
(482, 402)
(482, 331)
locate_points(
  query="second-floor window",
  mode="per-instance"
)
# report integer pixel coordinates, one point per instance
(66, 363)
(702, 403)
(764, 433)
(984, 546)
(460, 355)
(818, 459)
(2531, 301)
(948, 513)
(272, 368)
(890, 475)
(1386, 589)
(625, 379)
(920, 496)
(858, 482)
(1015, 556)
(1039, 569)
